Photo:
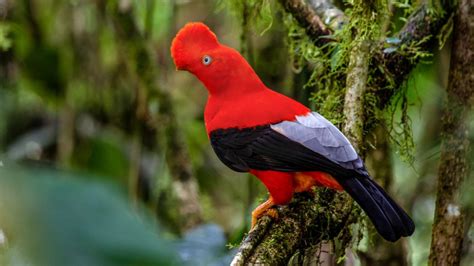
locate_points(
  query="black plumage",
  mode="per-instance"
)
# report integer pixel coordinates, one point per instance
(263, 148)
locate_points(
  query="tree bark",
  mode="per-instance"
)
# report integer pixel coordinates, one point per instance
(448, 227)
(308, 19)
(356, 87)
(419, 32)
(331, 15)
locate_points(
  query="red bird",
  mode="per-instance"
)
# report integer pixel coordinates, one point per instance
(282, 142)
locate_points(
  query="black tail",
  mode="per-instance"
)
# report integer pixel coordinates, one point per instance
(390, 220)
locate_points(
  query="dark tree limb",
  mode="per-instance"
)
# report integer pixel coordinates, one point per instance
(417, 36)
(448, 227)
(330, 14)
(307, 18)
(4, 6)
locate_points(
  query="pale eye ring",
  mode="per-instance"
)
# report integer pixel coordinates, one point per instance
(206, 60)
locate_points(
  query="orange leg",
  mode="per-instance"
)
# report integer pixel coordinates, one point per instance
(264, 209)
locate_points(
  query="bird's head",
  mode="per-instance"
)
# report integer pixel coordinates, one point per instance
(197, 50)
(193, 47)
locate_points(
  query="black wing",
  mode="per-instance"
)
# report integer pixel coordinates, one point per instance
(263, 148)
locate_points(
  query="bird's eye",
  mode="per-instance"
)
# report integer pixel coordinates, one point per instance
(206, 60)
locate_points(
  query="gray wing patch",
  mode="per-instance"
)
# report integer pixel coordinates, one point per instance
(318, 134)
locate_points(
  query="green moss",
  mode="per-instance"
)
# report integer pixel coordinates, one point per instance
(326, 82)
(445, 32)
(400, 130)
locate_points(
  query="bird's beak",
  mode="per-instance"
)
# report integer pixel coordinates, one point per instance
(182, 66)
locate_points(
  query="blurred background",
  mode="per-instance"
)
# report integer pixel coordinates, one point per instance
(103, 152)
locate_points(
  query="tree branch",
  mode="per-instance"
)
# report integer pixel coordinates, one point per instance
(307, 19)
(417, 35)
(303, 224)
(331, 15)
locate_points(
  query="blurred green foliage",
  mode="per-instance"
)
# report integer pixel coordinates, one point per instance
(55, 218)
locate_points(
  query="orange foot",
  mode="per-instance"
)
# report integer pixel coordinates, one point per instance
(264, 209)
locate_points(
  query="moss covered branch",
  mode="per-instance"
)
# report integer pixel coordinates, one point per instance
(422, 30)
(356, 86)
(303, 225)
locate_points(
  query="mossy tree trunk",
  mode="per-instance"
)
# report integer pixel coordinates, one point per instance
(448, 227)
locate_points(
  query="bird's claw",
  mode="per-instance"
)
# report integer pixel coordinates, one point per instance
(273, 213)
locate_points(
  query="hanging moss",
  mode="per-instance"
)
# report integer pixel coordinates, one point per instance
(399, 126)
(327, 78)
